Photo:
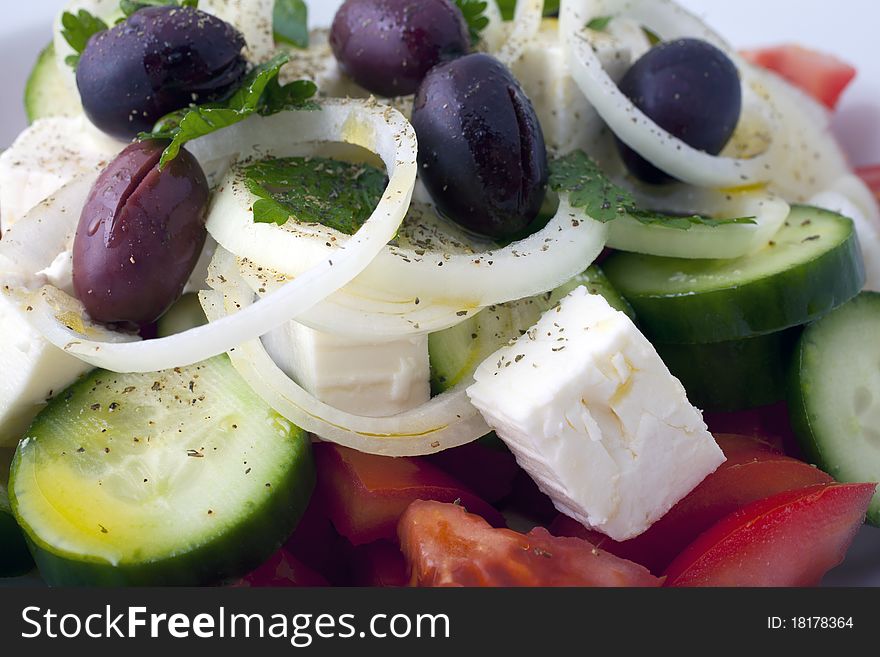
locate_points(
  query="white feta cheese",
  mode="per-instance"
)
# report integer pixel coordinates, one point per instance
(44, 158)
(594, 416)
(364, 378)
(33, 371)
(567, 118)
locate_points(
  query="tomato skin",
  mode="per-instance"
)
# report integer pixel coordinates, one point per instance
(822, 76)
(871, 176)
(365, 495)
(790, 539)
(282, 570)
(753, 471)
(379, 564)
(446, 546)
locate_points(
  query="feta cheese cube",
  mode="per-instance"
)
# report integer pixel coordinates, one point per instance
(373, 379)
(592, 413)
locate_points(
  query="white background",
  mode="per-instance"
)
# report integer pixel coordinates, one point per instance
(847, 28)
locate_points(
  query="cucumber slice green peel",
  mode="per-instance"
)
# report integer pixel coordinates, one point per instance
(734, 375)
(179, 477)
(834, 394)
(813, 265)
(46, 93)
(14, 556)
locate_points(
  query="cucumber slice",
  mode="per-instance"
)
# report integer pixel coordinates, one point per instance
(812, 266)
(834, 394)
(46, 93)
(456, 351)
(14, 556)
(186, 313)
(178, 477)
(735, 375)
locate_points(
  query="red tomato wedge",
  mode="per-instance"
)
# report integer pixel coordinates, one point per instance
(822, 76)
(378, 564)
(790, 539)
(871, 176)
(365, 495)
(283, 569)
(753, 471)
(444, 545)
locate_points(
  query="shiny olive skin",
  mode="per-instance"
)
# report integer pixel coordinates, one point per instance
(159, 60)
(140, 235)
(387, 46)
(481, 150)
(689, 88)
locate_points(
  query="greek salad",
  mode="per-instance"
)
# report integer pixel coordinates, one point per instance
(449, 293)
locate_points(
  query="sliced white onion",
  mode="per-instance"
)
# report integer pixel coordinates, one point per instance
(538, 263)
(526, 25)
(446, 421)
(698, 241)
(354, 312)
(849, 196)
(807, 156)
(380, 129)
(33, 243)
(629, 123)
(495, 33)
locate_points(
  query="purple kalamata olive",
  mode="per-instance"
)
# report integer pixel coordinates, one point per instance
(387, 46)
(481, 150)
(689, 88)
(140, 235)
(159, 60)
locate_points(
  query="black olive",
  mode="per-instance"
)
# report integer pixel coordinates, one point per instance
(689, 88)
(481, 150)
(159, 60)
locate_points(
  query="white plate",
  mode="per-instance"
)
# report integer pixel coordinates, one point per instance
(836, 27)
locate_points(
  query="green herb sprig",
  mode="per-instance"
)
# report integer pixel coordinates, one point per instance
(290, 22)
(129, 7)
(77, 29)
(336, 194)
(589, 188)
(474, 12)
(260, 93)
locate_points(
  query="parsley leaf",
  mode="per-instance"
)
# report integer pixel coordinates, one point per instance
(260, 93)
(600, 23)
(339, 195)
(474, 12)
(129, 7)
(290, 22)
(77, 30)
(508, 8)
(589, 188)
